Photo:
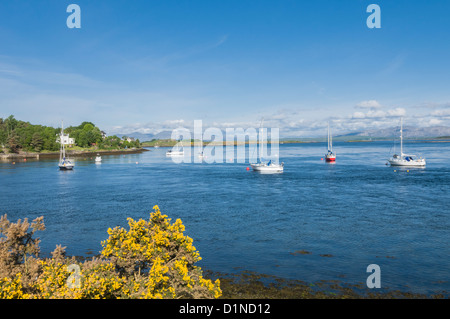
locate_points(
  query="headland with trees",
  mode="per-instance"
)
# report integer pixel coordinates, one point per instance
(23, 139)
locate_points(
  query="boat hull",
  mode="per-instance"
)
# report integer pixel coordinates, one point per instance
(330, 159)
(170, 154)
(66, 167)
(267, 169)
(414, 163)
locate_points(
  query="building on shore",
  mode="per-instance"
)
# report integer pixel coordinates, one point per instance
(66, 140)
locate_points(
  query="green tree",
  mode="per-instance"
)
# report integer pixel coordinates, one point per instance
(88, 127)
(37, 141)
(82, 139)
(3, 133)
(49, 136)
(11, 124)
(13, 144)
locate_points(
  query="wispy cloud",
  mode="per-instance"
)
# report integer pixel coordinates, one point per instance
(393, 65)
(373, 104)
(163, 60)
(374, 110)
(292, 123)
(45, 95)
(441, 113)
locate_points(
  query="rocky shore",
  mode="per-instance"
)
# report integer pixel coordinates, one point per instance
(29, 155)
(251, 285)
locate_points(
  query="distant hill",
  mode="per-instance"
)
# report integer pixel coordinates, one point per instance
(387, 133)
(408, 132)
(148, 137)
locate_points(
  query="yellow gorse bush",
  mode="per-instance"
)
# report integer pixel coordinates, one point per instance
(11, 288)
(160, 257)
(152, 259)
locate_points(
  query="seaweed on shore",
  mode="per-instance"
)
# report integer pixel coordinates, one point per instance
(252, 285)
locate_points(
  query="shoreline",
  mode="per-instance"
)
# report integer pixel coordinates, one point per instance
(247, 284)
(253, 285)
(14, 156)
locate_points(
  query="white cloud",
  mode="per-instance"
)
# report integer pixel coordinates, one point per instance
(397, 112)
(373, 104)
(379, 114)
(434, 121)
(358, 115)
(439, 113)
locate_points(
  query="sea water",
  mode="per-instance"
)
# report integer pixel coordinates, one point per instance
(315, 221)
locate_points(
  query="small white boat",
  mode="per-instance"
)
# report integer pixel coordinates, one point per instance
(64, 163)
(268, 168)
(330, 156)
(406, 159)
(176, 151)
(98, 159)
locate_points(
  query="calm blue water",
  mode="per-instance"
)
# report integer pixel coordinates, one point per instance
(357, 211)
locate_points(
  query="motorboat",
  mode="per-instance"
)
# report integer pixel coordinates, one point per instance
(269, 167)
(176, 151)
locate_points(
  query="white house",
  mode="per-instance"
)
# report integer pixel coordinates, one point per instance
(66, 140)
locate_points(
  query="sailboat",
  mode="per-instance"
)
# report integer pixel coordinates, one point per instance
(64, 163)
(330, 156)
(405, 159)
(269, 167)
(98, 159)
(201, 155)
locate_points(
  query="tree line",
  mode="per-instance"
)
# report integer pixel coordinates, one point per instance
(16, 136)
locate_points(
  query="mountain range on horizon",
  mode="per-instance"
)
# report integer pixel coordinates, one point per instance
(393, 132)
(408, 132)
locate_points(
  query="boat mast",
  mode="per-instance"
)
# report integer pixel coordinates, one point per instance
(328, 137)
(331, 139)
(401, 136)
(261, 140)
(62, 155)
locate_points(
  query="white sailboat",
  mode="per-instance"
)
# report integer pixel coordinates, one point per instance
(330, 156)
(269, 167)
(406, 159)
(64, 163)
(98, 159)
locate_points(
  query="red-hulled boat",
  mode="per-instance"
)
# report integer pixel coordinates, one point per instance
(330, 156)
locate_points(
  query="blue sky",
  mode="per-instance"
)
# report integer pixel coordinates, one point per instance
(152, 65)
